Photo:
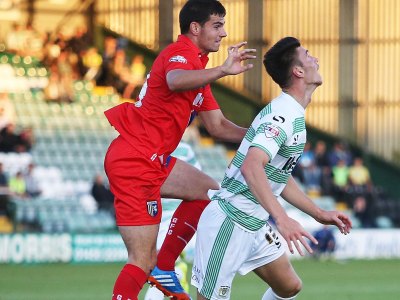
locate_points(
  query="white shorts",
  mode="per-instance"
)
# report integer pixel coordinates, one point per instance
(223, 249)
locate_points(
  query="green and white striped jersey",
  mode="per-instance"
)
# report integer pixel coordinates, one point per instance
(279, 129)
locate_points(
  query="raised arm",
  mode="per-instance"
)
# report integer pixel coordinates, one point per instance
(181, 80)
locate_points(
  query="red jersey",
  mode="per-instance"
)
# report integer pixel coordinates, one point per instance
(154, 125)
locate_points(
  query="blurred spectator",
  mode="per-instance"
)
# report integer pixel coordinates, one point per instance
(79, 44)
(326, 243)
(106, 73)
(34, 42)
(4, 190)
(312, 178)
(137, 76)
(322, 162)
(80, 41)
(359, 178)
(8, 139)
(340, 174)
(26, 140)
(339, 152)
(3, 177)
(102, 195)
(363, 212)
(92, 64)
(17, 185)
(25, 41)
(67, 75)
(308, 157)
(15, 39)
(305, 161)
(121, 72)
(54, 90)
(52, 50)
(62, 75)
(7, 110)
(32, 185)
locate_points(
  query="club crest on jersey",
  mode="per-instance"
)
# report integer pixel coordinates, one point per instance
(152, 208)
(178, 58)
(271, 131)
(223, 291)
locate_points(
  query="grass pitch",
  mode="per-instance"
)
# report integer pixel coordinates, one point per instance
(350, 280)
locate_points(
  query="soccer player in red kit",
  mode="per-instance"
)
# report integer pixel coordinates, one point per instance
(138, 162)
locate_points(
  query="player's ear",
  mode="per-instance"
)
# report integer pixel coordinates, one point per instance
(298, 71)
(194, 28)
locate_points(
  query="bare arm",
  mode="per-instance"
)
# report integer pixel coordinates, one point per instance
(294, 195)
(220, 127)
(181, 80)
(254, 174)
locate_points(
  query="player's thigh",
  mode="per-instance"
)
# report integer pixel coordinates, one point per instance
(140, 241)
(135, 181)
(280, 276)
(187, 183)
(221, 249)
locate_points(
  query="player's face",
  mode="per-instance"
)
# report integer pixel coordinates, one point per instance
(211, 34)
(310, 66)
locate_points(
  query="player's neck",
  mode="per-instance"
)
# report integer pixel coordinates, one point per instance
(301, 94)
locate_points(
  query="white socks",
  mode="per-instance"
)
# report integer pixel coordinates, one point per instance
(270, 295)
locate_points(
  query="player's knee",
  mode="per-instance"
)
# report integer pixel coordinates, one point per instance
(290, 289)
(145, 262)
(293, 288)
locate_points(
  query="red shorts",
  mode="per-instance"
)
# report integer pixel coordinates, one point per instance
(135, 180)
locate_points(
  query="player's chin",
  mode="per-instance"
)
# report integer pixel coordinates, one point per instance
(214, 48)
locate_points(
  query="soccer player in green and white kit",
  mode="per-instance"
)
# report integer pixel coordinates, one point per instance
(233, 234)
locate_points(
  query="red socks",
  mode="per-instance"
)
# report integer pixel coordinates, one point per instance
(129, 283)
(181, 229)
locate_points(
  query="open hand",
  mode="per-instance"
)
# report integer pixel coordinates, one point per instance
(337, 218)
(233, 64)
(295, 234)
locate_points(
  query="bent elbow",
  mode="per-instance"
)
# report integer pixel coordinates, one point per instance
(173, 81)
(216, 133)
(172, 86)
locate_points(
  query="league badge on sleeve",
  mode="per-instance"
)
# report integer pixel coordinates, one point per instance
(179, 59)
(271, 131)
(152, 208)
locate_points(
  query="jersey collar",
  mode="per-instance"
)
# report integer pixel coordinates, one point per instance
(294, 101)
(184, 39)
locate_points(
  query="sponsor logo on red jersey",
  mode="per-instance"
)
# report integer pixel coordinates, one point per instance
(198, 100)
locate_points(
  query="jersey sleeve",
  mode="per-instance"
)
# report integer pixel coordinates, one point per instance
(183, 59)
(270, 135)
(209, 102)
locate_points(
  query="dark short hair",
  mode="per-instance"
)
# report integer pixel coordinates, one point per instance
(199, 11)
(279, 60)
